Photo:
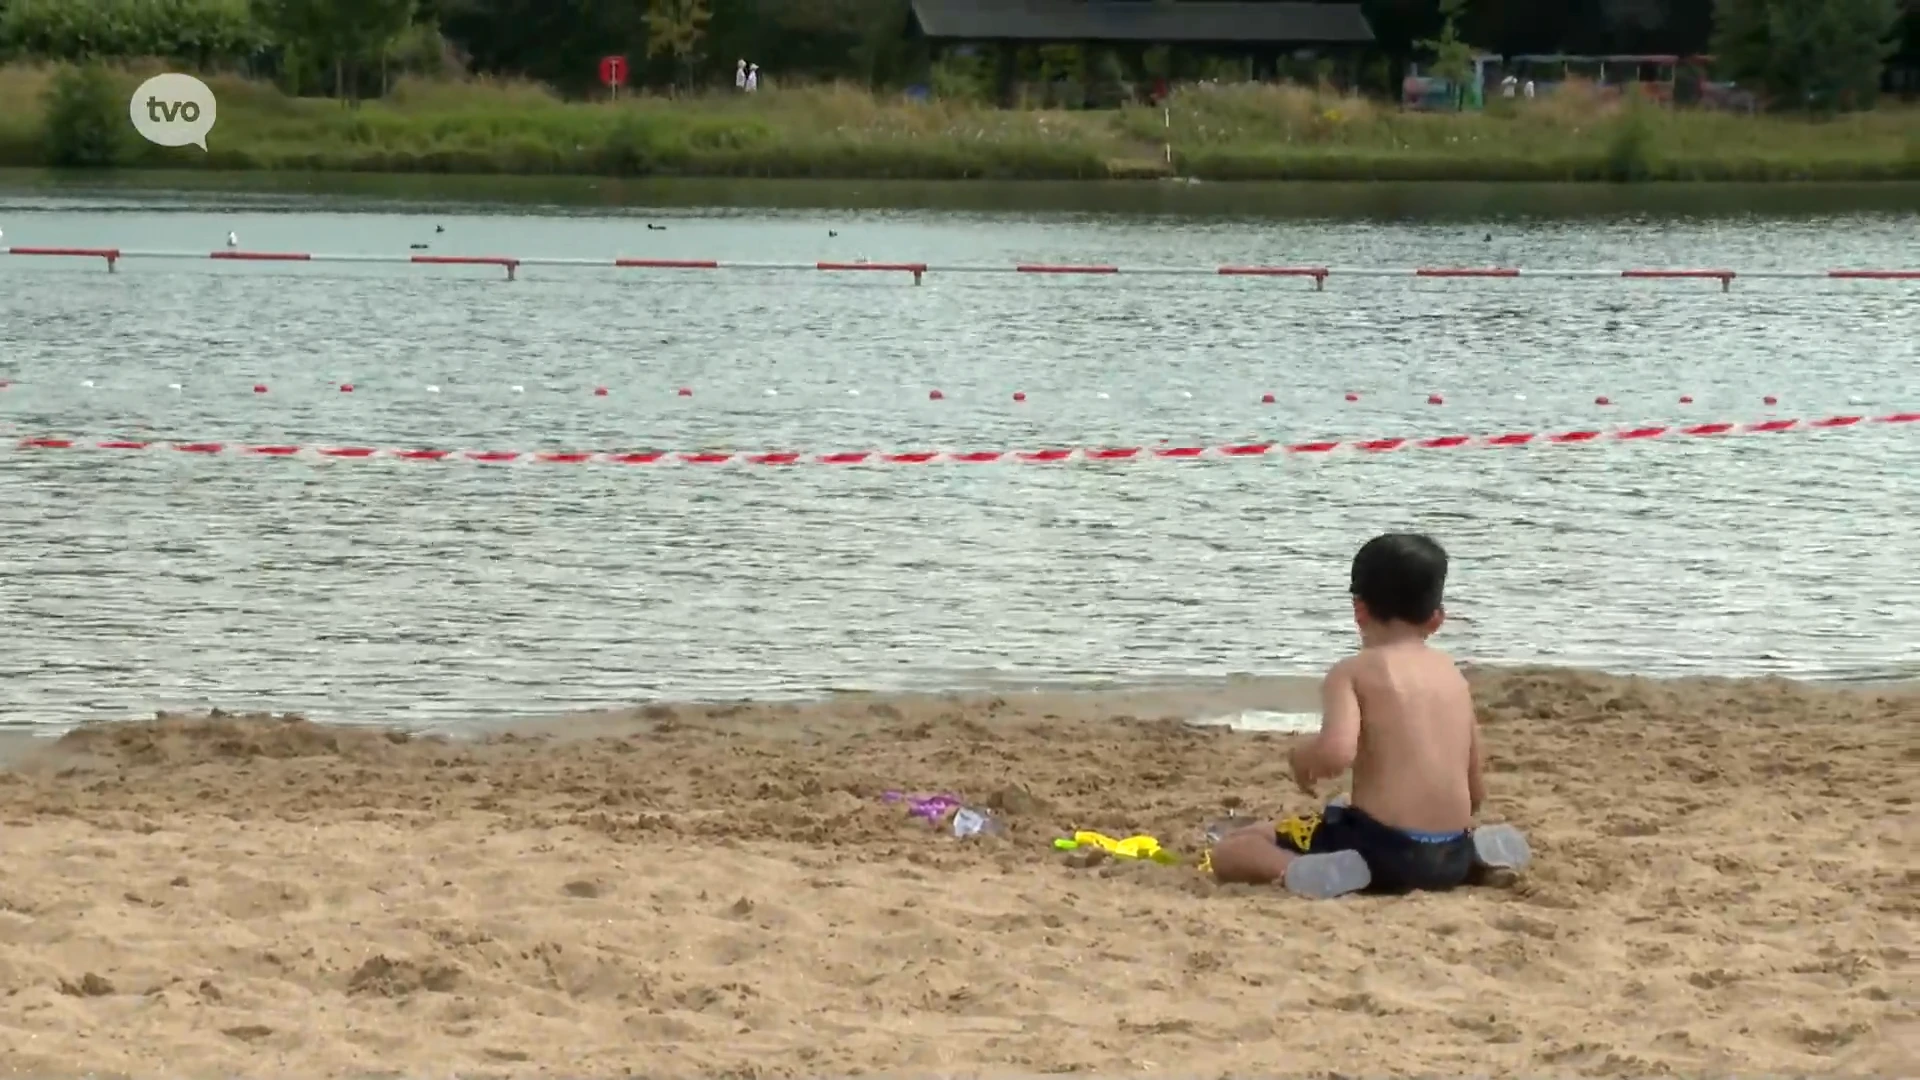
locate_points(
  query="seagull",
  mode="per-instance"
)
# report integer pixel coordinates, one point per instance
(417, 247)
(439, 228)
(656, 228)
(233, 240)
(830, 232)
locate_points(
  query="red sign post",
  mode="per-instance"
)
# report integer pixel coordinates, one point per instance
(613, 72)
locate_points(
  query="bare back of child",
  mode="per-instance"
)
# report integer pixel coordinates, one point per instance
(1399, 714)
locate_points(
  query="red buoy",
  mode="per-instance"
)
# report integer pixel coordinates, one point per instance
(259, 388)
(1352, 396)
(599, 391)
(1266, 399)
(685, 392)
(1019, 395)
(346, 388)
(1436, 399)
(935, 395)
(1602, 400)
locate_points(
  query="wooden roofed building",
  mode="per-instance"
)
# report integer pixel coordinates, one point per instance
(1259, 32)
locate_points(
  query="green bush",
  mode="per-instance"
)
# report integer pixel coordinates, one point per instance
(1629, 155)
(963, 79)
(86, 119)
(202, 33)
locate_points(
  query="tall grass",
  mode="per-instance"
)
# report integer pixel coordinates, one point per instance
(1280, 132)
(1221, 132)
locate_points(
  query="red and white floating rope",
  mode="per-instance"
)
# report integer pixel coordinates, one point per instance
(1233, 451)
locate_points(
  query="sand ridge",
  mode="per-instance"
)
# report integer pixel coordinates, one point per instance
(1726, 884)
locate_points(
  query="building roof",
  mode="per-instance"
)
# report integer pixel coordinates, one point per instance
(1157, 21)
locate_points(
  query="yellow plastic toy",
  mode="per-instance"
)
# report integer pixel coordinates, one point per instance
(1133, 847)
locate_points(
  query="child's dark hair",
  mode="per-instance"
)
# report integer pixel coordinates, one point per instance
(1400, 577)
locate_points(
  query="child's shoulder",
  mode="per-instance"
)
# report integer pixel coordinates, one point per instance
(1422, 663)
(1408, 652)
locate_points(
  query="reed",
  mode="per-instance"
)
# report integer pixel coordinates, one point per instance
(1245, 132)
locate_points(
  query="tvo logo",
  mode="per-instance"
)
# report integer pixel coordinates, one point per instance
(173, 110)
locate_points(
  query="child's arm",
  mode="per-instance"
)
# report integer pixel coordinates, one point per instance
(1331, 752)
(1476, 785)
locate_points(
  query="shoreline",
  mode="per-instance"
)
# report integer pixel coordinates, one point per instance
(1577, 170)
(1248, 132)
(1588, 170)
(1204, 703)
(1297, 694)
(1716, 890)
(542, 196)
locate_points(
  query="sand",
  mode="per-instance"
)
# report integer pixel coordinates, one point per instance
(1725, 883)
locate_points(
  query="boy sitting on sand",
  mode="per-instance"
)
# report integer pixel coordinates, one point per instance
(1399, 714)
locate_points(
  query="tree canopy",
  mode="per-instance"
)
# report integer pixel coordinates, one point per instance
(1815, 54)
(1799, 53)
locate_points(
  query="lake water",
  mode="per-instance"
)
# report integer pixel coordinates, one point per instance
(436, 594)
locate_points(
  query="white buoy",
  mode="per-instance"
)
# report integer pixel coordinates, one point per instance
(173, 386)
(1101, 395)
(853, 393)
(1188, 394)
(233, 240)
(87, 382)
(771, 392)
(433, 389)
(518, 389)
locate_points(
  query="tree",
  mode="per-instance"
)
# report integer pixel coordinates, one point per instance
(675, 28)
(1813, 54)
(86, 118)
(1452, 57)
(301, 29)
(837, 38)
(556, 41)
(339, 33)
(370, 29)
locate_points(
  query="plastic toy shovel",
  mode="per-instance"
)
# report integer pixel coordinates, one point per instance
(1133, 847)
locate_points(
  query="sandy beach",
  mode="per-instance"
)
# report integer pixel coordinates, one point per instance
(1724, 883)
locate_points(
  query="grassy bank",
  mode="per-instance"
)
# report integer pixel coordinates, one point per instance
(1217, 133)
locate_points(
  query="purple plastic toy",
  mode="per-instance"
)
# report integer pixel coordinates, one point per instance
(931, 807)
